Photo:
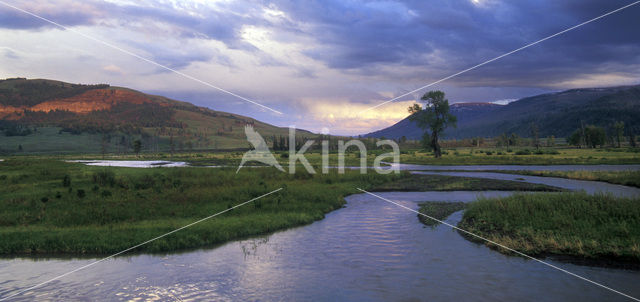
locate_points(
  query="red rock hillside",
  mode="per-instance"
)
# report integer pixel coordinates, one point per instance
(92, 100)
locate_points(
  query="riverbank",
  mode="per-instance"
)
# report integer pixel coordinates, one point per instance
(586, 227)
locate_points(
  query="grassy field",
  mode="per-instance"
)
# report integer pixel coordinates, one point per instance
(219, 158)
(626, 178)
(49, 139)
(88, 146)
(451, 183)
(459, 156)
(55, 207)
(600, 227)
(524, 156)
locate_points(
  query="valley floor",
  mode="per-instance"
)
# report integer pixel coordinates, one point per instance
(56, 207)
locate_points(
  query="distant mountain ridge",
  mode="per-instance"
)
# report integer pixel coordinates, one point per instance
(557, 114)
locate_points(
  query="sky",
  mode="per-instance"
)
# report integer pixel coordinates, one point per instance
(323, 64)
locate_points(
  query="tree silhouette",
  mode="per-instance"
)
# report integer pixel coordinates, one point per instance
(435, 117)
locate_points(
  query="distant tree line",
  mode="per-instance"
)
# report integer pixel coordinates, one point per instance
(12, 128)
(592, 136)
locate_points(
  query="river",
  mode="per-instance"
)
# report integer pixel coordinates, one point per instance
(370, 250)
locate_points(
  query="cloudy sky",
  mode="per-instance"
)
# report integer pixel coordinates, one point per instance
(321, 63)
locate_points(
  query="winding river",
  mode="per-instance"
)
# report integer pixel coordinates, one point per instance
(369, 251)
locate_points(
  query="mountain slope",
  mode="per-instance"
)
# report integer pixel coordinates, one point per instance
(120, 114)
(557, 114)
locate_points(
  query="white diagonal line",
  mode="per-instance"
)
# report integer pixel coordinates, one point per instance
(136, 246)
(502, 246)
(139, 57)
(502, 56)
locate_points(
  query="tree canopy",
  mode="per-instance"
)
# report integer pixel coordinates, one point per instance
(435, 117)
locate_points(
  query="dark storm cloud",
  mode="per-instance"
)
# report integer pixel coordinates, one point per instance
(360, 36)
(437, 37)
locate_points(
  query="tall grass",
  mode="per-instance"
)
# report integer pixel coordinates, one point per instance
(573, 224)
(42, 211)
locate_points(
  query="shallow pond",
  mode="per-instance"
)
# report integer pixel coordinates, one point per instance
(132, 163)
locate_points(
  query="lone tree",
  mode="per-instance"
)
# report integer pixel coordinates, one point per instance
(435, 117)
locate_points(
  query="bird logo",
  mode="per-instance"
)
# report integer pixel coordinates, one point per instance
(260, 153)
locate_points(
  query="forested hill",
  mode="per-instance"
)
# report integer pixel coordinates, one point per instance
(27, 105)
(557, 114)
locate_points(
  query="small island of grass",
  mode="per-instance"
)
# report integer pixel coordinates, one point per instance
(575, 225)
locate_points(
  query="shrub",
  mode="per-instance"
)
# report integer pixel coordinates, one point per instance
(488, 152)
(105, 193)
(44, 199)
(81, 193)
(523, 152)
